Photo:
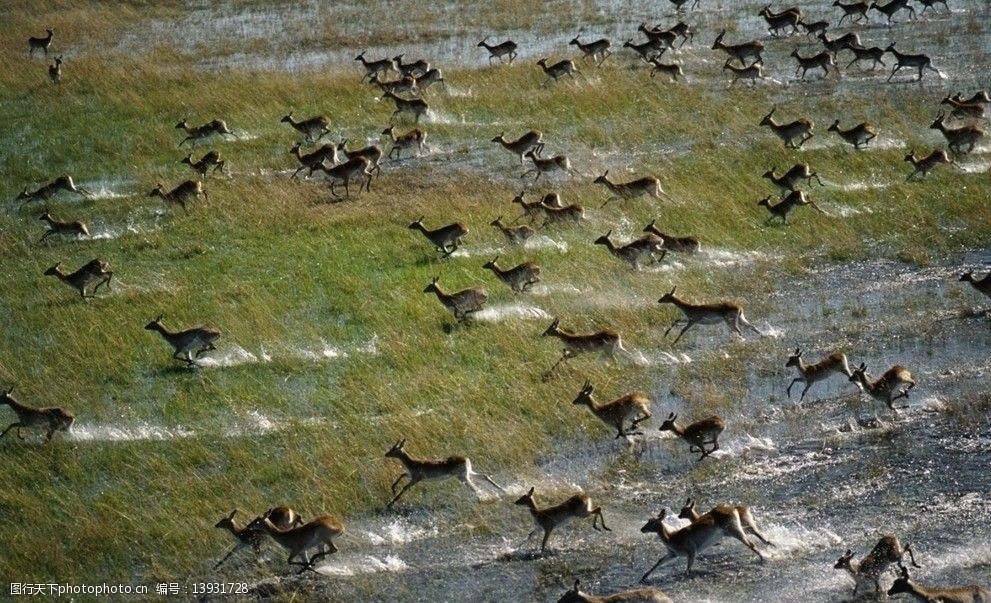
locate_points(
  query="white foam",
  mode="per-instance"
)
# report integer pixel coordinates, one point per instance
(743, 445)
(838, 209)
(545, 242)
(400, 531)
(796, 537)
(858, 185)
(366, 564)
(234, 357)
(510, 311)
(143, 431)
(727, 257)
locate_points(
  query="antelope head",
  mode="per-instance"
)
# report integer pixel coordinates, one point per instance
(585, 395)
(668, 298)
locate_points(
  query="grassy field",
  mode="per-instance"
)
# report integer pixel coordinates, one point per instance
(283, 271)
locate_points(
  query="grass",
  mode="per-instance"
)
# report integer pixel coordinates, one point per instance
(276, 266)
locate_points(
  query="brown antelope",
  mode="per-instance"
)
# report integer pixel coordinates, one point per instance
(530, 210)
(62, 228)
(446, 239)
(355, 167)
(415, 106)
(727, 518)
(405, 84)
(954, 594)
(888, 550)
(873, 54)
(924, 165)
(497, 51)
(634, 406)
(823, 61)
(648, 185)
(839, 43)
(42, 44)
(639, 595)
(419, 470)
(519, 278)
(50, 419)
(820, 371)
(739, 52)
(531, 141)
(856, 10)
(961, 109)
(180, 195)
(513, 234)
(94, 271)
(429, 78)
(957, 138)
(646, 50)
(982, 285)
(790, 179)
(859, 135)
(927, 4)
(578, 506)
(606, 342)
(684, 31)
(687, 542)
(646, 247)
(778, 21)
(371, 152)
(415, 69)
(192, 343)
(204, 131)
(814, 28)
(557, 70)
(55, 70)
(210, 161)
(549, 165)
(47, 191)
(916, 61)
(785, 206)
(886, 388)
(598, 50)
(893, 7)
(375, 67)
(317, 533)
(283, 517)
(697, 434)
(555, 215)
(706, 314)
(663, 39)
(463, 304)
(672, 243)
(752, 73)
(312, 161)
(981, 97)
(313, 128)
(414, 138)
(788, 132)
(672, 70)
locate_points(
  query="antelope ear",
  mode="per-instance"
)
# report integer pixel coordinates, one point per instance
(402, 442)
(577, 582)
(10, 391)
(233, 513)
(673, 289)
(688, 502)
(670, 416)
(530, 493)
(160, 317)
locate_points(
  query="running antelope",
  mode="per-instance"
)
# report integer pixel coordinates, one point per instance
(888, 550)
(210, 161)
(519, 278)
(415, 106)
(463, 304)
(788, 132)
(313, 128)
(981, 97)
(414, 138)
(809, 374)
(957, 138)
(687, 542)
(961, 109)
(953, 594)
(405, 84)
(355, 167)
(697, 434)
(752, 73)
(790, 179)
(186, 191)
(47, 191)
(55, 70)
(558, 70)
(859, 135)
(314, 160)
(371, 152)
(50, 419)
(672, 243)
(706, 314)
(375, 67)
(549, 165)
(555, 215)
(606, 342)
(648, 185)
(431, 77)
(514, 234)
(94, 271)
(741, 51)
(918, 61)
(672, 70)
(982, 285)
(646, 247)
(317, 533)
(639, 595)
(785, 206)
(282, 517)
(531, 141)
(192, 342)
(778, 21)
(646, 50)
(204, 131)
(924, 165)
(42, 44)
(927, 4)
(684, 31)
(823, 61)
(419, 470)
(728, 518)
(530, 210)
(598, 50)
(578, 506)
(873, 54)
(446, 239)
(856, 10)
(62, 228)
(634, 406)
(814, 28)
(497, 51)
(888, 387)
(664, 39)
(415, 69)
(844, 42)
(893, 7)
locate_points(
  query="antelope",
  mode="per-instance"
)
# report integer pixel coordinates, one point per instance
(956, 138)
(873, 54)
(418, 470)
(530, 210)
(672, 70)
(697, 434)
(317, 533)
(94, 271)
(778, 21)
(543, 166)
(858, 136)
(531, 141)
(676, 244)
(888, 550)
(507, 48)
(552, 200)
(519, 278)
(62, 228)
(783, 208)
(415, 69)
(190, 189)
(50, 419)
(606, 342)
(919, 61)
(687, 542)
(923, 165)
(40, 43)
(355, 167)
(823, 61)
(189, 342)
(706, 314)
(982, 285)
(663, 39)
(55, 70)
(820, 371)
(557, 70)
(578, 506)
(961, 109)
(788, 132)
(407, 83)
(639, 595)
(313, 128)
(47, 191)
(414, 138)
(887, 388)
(753, 73)
(446, 239)
(283, 517)
(893, 7)
(463, 304)
(635, 252)
(204, 131)
(814, 28)
(598, 48)
(684, 31)
(739, 51)
(375, 67)
(680, 4)
(371, 152)
(429, 78)
(955, 594)
(856, 10)
(634, 406)
(514, 234)
(927, 4)
(554, 215)
(210, 161)
(648, 185)
(415, 106)
(839, 43)
(797, 173)
(646, 50)
(314, 160)
(728, 519)
(981, 97)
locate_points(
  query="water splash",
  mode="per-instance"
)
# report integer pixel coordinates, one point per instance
(366, 564)
(400, 531)
(142, 431)
(509, 311)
